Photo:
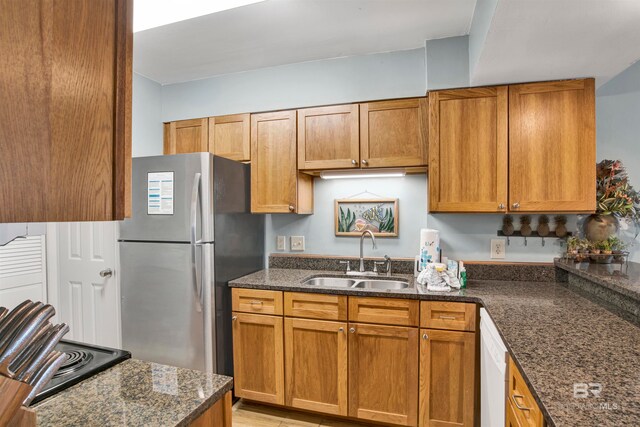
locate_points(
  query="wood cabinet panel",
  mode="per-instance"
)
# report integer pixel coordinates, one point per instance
(511, 420)
(383, 373)
(186, 136)
(65, 137)
(257, 301)
(456, 316)
(276, 185)
(316, 365)
(230, 136)
(526, 410)
(328, 137)
(219, 415)
(552, 146)
(447, 378)
(386, 311)
(315, 306)
(258, 358)
(468, 150)
(393, 133)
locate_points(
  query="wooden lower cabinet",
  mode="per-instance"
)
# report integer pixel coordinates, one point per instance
(447, 378)
(383, 373)
(520, 402)
(258, 357)
(316, 365)
(219, 415)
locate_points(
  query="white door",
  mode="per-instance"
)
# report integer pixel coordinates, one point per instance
(23, 271)
(87, 282)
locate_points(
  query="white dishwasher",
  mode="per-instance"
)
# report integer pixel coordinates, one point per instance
(493, 373)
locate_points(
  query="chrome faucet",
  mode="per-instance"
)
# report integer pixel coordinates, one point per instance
(373, 240)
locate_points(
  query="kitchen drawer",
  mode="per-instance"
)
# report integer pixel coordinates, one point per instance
(315, 306)
(525, 408)
(256, 301)
(454, 316)
(386, 311)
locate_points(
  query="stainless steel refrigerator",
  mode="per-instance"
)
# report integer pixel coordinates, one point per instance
(190, 233)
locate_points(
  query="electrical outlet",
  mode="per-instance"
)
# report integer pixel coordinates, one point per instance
(498, 248)
(297, 243)
(281, 243)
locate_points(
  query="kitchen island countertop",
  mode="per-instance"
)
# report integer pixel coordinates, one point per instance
(556, 337)
(135, 393)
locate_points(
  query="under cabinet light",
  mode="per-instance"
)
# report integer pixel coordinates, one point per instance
(372, 173)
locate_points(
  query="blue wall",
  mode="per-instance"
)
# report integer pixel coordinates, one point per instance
(388, 75)
(146, 117)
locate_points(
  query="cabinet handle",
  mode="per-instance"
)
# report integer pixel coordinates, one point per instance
(516, 205)
(364, 162)
(448, 318)
(234, 318)
(354, 162)
(292, 208)
(256, 303)
(501, 206)
(425, 336)
(352, 330)
(341, 330)
(515, 402)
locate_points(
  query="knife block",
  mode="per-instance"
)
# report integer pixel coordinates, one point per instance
(12, 413)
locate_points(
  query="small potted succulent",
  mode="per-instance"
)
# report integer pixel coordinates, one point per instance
(617, 248)
(605, 252)
(583, 249)
(573, 244)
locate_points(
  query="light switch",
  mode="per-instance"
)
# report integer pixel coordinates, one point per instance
(281, 243)
(297, 243)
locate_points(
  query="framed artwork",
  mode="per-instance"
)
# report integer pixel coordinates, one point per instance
(353, 216)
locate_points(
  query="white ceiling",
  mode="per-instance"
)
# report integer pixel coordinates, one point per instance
(277, 32)
(531, 40)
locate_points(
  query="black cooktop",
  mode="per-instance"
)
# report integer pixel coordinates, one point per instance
(83, 361)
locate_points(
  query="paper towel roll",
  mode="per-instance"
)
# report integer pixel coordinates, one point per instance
(430, 244)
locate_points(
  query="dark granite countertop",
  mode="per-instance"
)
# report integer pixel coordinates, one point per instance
(624, 279)
(135, 393)
(557, 338)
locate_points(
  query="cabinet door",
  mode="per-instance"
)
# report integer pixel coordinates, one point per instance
(186, 136)
(383, 373)
(393, 133)
(274, 171)
(328, 137)
(316, 365)
(65, 115)
(468, 131)
(447, 378)
(552, 147)
(230, 137)
(257, 357)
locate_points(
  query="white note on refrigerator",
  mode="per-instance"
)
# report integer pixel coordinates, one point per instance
(160, 193)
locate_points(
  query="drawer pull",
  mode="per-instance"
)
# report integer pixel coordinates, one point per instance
(514, 397)
(234, 318)
(256, 303)
(341, 330)
(448, 317)
(425, 336)
(352, 330)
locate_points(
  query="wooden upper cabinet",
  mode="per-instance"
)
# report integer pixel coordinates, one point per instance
(186, 136)
(468, 150)
(230, 137)
(383, 373)
(258, 359)
(552, 146)
(316, 365)
(393, 133)
(328, 137)
(65, 133)
(447, 378)
(276, 185)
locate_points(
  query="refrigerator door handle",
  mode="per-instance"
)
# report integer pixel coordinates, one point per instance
(194, 243)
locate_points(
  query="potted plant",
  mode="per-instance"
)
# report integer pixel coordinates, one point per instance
(583, 250)
(617, 248)
(605, 252)
(573, 243)
(615, 199)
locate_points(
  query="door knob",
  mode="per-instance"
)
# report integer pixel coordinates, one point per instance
(106, 272)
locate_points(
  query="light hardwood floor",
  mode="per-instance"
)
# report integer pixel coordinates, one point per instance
(253, 415)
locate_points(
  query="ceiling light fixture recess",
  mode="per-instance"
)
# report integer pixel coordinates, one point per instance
(370, 173)
(155, 13)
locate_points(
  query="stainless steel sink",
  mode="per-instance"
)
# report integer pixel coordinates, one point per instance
(332, 282)
(381, 284)
(342, 282)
